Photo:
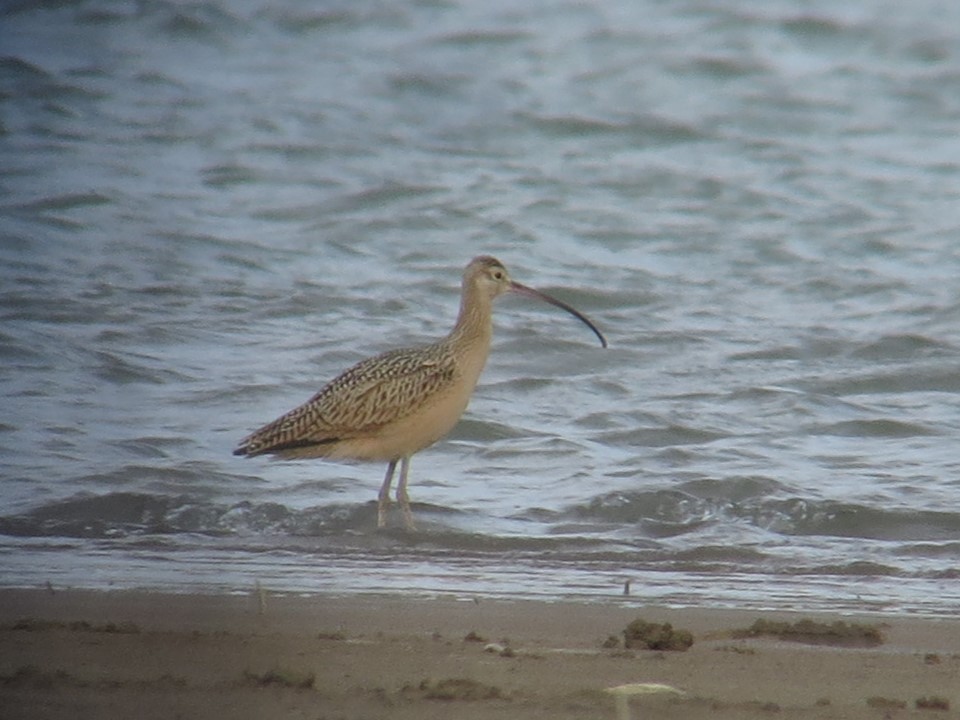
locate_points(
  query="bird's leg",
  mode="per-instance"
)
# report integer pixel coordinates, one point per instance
(383, 503)
(402, 496)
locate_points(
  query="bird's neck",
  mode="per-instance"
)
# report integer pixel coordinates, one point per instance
(474, 327)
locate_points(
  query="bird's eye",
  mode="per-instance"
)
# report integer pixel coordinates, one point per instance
(497, 275)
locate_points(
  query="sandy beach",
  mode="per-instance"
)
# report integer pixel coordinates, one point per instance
(79, 654)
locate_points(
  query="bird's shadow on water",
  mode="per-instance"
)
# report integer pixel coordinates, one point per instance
(361, 520)
(439, 529)
(436, 527)
(430, 521)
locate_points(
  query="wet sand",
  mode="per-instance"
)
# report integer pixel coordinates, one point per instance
(78, 654)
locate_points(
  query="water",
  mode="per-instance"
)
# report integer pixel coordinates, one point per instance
(210, 209)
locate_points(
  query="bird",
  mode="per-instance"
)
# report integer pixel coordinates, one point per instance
(389, 407)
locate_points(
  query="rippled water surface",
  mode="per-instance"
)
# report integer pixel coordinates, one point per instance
(208, 210)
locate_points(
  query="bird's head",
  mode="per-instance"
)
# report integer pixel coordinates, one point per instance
(487, 275)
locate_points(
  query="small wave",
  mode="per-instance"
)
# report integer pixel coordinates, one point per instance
(656, 508)
(205, 22)
(803, 517)
(879, 428)
(909, 378)
(434, 85)
(719, 554)
(485, 431)
(645, 128)
(662, 512)
(22, 79)
(122, 514)
(151, 447)
(12, 349)
(69, 201)
(810, 26)
(659, 437)
(929, 549)
(384, 194)
(99, 516)
(136, 515)
(733, 489)
(118, 370)
(858, 568)
(227, 175)
(724, 68)
(888, 348)
(482, 38)
(303, 21)
(902, 347)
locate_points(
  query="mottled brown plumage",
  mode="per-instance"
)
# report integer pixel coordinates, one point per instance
(361, 401)
(393, 405)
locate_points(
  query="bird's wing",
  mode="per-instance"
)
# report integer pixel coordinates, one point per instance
(371, 394)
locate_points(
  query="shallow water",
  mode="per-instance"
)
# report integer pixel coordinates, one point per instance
(209, 210)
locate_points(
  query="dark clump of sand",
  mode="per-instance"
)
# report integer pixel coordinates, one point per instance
(74, 654)
(656, 636)
(838, 632)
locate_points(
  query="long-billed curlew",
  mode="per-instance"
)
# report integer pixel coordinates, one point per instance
(388, 407)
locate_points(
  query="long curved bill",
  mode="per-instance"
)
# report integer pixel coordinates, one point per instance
(530, 292)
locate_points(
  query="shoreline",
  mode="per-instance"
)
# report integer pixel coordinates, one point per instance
(113, 654)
